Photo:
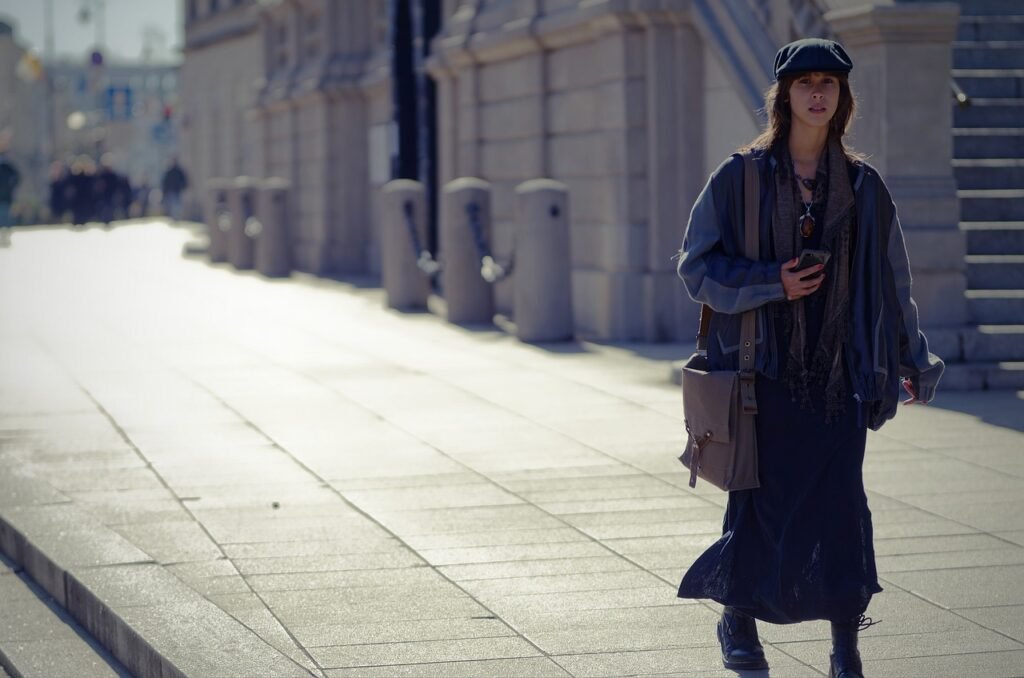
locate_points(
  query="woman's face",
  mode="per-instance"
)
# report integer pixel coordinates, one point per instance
(813, 98)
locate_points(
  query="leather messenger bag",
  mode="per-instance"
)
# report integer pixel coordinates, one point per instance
(719, 406)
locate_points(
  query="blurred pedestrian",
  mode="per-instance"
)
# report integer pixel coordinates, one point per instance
(833, 341)
(174, 183)
(80, 193)
(104, 190)
(9, 179)
(141, 197)
(58, 191)
(122, 197)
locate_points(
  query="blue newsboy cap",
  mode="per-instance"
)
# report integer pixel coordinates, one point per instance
(812, 54)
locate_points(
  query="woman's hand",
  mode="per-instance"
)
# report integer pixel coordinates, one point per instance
(913, 388)
(797, 284)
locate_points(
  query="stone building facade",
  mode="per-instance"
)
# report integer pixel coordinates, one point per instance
(221, 135)
(23, 134)
(631, 103)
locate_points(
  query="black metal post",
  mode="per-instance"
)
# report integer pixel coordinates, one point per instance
(403, 83)
(427, 21)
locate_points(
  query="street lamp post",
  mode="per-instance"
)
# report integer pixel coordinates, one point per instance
(97, 8)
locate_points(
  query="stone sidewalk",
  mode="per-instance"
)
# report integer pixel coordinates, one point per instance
(220, 475)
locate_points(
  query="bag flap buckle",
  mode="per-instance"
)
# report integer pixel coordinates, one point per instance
(748, 396)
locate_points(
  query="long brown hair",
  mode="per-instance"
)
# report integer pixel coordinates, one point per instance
(780, 117)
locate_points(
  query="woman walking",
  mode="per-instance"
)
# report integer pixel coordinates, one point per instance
(834, 341)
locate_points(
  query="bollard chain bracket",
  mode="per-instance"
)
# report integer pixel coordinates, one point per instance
(424, 259)
(491, 270)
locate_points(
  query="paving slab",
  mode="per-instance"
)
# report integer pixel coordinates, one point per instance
(965, 587)
(326, 635)
(1006, 619)
(696, 660)
(382, 654)
(521, 668)
(360, 492)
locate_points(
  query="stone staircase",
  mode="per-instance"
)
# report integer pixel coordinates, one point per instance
(988, 163)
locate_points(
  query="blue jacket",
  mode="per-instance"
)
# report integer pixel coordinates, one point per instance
(885, 341)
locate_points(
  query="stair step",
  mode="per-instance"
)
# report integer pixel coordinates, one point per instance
(989, 54)
(991, 307)
(991, 205)
(995, 271)
(994, 237)
(973, 8)
(984, 28)
(987, 7)
(980, 142)
(989, 173)
(990, 112)
(998, 343)
(991, 82)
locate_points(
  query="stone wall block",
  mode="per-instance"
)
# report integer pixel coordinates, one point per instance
(511, 79)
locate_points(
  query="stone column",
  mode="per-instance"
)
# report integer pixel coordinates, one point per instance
(675, 164)
(902, 58)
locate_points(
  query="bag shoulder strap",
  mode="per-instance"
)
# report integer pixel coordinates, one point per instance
(752, 250)
(751, 244)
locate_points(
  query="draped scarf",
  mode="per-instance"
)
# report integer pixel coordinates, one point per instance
(819, 366)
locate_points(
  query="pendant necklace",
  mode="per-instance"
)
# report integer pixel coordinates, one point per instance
(806, 221)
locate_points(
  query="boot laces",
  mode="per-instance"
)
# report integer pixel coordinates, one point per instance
(864, 622)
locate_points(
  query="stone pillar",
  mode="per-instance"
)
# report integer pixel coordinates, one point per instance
(402, 243)
(244, 225)
(468, 296)
(902, 58)
(543, 270)
(218, 218)
(675, 169)
(273, 244)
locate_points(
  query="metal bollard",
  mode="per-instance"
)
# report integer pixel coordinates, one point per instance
(405, 262)
(245, 226)
(468, 296)
(273, 243)
(542, 291)
(218, 218)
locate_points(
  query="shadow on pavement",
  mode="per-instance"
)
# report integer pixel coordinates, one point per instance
(1000, 408)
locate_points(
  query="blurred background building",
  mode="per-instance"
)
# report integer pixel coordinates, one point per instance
(59, 104)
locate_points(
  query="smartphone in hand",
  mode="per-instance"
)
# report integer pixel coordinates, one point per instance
(810, 258)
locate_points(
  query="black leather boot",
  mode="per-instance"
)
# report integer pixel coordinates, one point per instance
(737, 634)
(844, 660)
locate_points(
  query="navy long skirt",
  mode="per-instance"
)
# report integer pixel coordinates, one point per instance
(800, 546)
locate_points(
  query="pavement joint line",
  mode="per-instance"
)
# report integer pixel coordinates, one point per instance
(499, 483)
(271, 360)
(137, 646)
(463, 332)
(131, 443)
(641, 471)
(971, 462)
(951, 610)
(361, 511)
(188, 510)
